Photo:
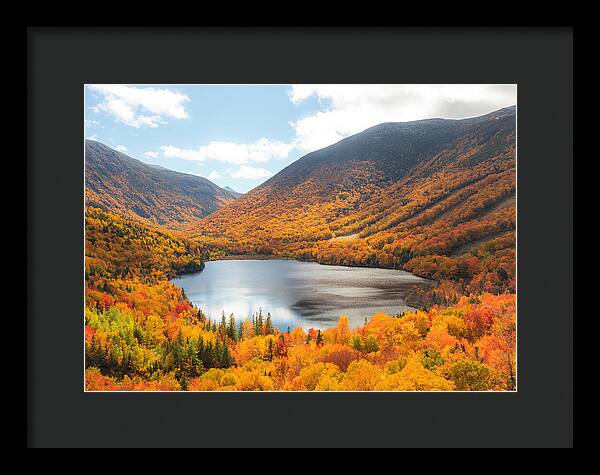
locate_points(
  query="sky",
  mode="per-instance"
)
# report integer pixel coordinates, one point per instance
(241, 135)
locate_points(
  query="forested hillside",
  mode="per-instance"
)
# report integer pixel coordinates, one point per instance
(142, 333)
(117, 246)
(469, 346)
(152, 194)
(435, 197)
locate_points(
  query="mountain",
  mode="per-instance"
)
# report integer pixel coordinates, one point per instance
(394, 195)
(390, 150)
(237, 194)
(151, 193)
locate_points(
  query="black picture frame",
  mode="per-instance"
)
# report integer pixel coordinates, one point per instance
(62, 60)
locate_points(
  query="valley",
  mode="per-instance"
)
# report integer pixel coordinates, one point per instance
(429, 202)
(405, 196)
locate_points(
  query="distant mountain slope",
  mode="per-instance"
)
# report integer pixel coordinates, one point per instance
(228, 188)
(394, 195)
(117, 182)
(390, 151)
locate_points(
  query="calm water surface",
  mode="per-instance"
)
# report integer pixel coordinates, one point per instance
(297, 293)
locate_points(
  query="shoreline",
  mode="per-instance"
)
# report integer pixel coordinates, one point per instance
(271, 257)
(251, 257)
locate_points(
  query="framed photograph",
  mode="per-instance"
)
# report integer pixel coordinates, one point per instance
(273, 235)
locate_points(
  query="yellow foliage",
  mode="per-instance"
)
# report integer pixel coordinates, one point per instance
(414, 377)
(330, 378)
(361, 376)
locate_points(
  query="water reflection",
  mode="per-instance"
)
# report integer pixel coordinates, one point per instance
(297, 293)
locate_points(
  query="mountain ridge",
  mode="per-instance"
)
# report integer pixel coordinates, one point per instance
(119, 183)
(412, 194)
(452, 128)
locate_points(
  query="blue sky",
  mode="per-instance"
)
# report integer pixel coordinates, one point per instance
(240, 135)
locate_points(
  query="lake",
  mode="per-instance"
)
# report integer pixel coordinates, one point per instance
(297, 293)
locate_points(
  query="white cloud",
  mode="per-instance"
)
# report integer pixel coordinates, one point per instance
(92, 123)
(344, 110)
(214, 175)
(140, 107)
(170, 151)
(93, 137)
(263, 150)
(121, 148)
(249, 173)
(352, 108)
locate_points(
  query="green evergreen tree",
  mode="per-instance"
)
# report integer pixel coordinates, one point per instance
(226, 359)
(92, 353)
(231, 329)
(201, 316)
(178, 350)
(269, 330)
(260, 322)
(200, 349)
(357, 343)
(217, 355)
(208, 356)
(184, 382)
(371, 344)
(319, 339)
(223, 325)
